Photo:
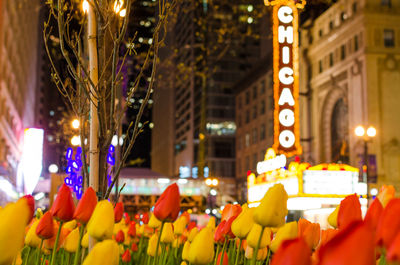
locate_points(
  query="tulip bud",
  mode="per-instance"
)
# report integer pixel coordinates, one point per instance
(225, 259)
(101, 223)
(154, 222)
(261, 254)
(349, 211)
(31, 203)
(45, 228)
(332, 218)
(31, 239)
(286, 232)
(39, 213)
(134, 247)
(179, 225)
(85, 240)
(230, 210)
(254, 235)
(70, 225)
(185, 250)
(202, 248)
(132, 229)
(86, 206)
(105, 252)
(120, 237)
(167, 206)
(118, 212)
(211, 223)
(63, 207)
(192, 234)
(145, 218)
(151, 248)
(273, 207)
(293, 252)
(386, 193)
(72, 240)
(242, 224)
(167, 235)
(310, 232)
(126, 257)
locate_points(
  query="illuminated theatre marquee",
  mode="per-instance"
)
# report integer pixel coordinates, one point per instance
(286, 76)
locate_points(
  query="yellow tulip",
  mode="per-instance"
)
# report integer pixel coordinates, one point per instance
(286, 232)
(127, 241)
(119, 226)
(183, 263)
(193, 234)
(185, 250)
(31, 239)
(261, 254)
(254, 235)
(85, 240)
(242, 224)
(13, 220)
(101, 223)
(211, 223)
(167, 235)
(332, 218)
(273, 207)
(154, 222)
(72, 240)
(179, 225)
(70, 225)
(201, 250)
(103, 253)
(151, 248)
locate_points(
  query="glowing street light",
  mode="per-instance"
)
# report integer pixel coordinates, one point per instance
(359, 131)
(75, 124)
(53, 168)
(85, 6)
(371, 131)
(75, 140)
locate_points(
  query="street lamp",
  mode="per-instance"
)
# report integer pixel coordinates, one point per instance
(75, 124)
(212, 183)
(366, 136)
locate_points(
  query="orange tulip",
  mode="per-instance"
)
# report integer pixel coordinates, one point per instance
(63, 207)
(86, 206)
(353, 245)
(309, 231)
(230, 210)
(389, 223)
(218, 236)
(386, 193)
(292, 252)
(224, 260)
(126, 257)
(145, 218)
(132, 229)
(127, 218)
(118, 212)
(49, 243)
(227, 228)
(120, 237)
(45, 228)
(168, 206)
(349, 211)
(186, 215)
(373, 214)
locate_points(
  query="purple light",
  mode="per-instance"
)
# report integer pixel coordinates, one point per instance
(69, 153)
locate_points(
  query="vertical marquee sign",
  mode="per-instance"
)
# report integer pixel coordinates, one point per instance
(286, 76)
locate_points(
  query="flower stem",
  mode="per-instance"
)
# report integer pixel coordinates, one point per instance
(223, 252)
(27, 256)
(255, 252)
(39, 253)
(78, 251)
(238, 252)
(158, 243)
(216, 254)
(53, 256)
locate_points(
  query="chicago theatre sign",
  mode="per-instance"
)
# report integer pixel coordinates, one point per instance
(286, 76)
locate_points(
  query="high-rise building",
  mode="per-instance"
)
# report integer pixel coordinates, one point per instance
(350, 72)
(211, 46)
(18, 61)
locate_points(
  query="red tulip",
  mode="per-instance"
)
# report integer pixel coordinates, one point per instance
(231, 210)
(45, 228)
(145, 218)
(63, 207)
(353, 245)
(134, 247)
(126, 257)
(132, 229)
(292, 252)
(218, 236)
(118, 212)
(393, 254)
(86, 206)
(168, 205)
(225, 259)
(327, 235)
(374, 213)
(349, 211)
(226, 229)
(120, 237)
(127, 218)
(389, 223)
(31, 203)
